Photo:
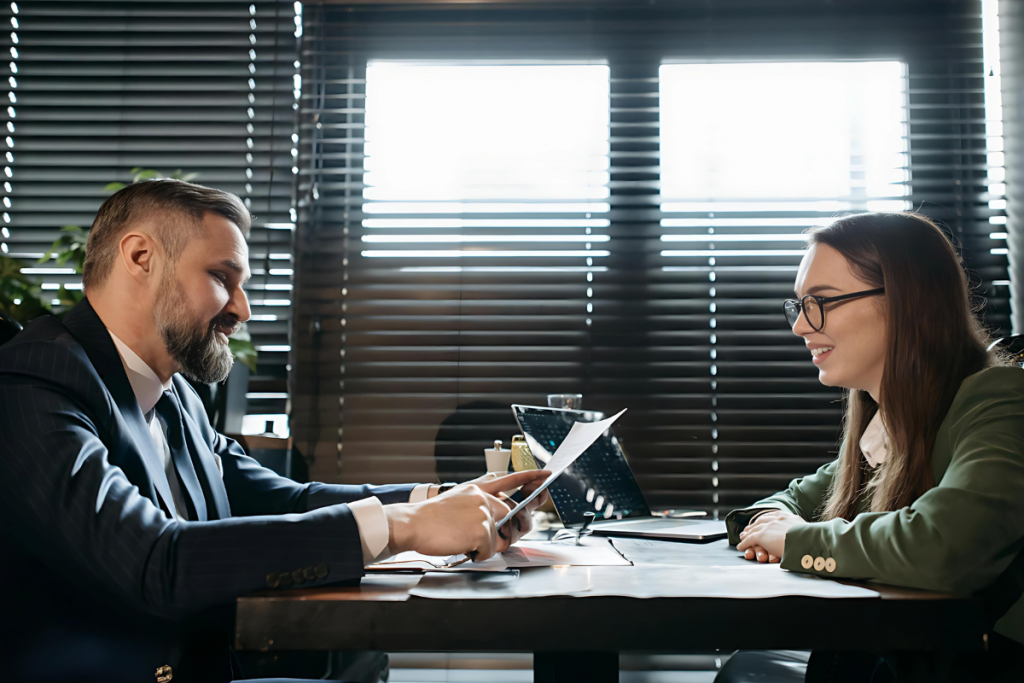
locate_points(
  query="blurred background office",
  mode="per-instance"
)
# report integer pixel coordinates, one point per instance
(464, 205)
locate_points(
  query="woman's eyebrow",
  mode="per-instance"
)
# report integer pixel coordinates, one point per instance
(817, 289)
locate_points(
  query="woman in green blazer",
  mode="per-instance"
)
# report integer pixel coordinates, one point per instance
(928, 488)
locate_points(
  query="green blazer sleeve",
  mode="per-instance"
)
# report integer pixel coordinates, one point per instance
(804, 497)
(963, 533)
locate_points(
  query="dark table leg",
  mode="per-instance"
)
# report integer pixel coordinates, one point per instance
(576, 667)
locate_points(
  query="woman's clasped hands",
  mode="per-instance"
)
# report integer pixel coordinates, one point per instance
(764, 539)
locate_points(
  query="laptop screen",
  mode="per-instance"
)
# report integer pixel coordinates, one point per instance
(600, 480)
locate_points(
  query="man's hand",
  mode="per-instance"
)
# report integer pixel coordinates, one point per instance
(460, 521)
(522, 523)
(764, 539)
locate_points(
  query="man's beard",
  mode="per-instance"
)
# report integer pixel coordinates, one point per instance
(192, 343)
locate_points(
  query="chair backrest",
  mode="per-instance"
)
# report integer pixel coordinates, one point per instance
(1013, 345)
(8, 328)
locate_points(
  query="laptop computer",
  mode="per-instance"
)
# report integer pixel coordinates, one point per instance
(601, 481)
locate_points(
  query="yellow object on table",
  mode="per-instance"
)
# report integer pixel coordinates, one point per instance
(523, 460)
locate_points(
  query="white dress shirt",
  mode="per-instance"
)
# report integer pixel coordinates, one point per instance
(874, 442)
(368, 512)
(148, 389)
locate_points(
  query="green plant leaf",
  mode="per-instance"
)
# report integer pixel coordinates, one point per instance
(147, 174)
(244, 352)
(242, 347)
(52, 251)
(178, 174)
(114, 187)
(69, 297)
(19, 296)
(70, 246)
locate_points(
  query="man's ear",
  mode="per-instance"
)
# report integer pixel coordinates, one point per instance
(138, 255)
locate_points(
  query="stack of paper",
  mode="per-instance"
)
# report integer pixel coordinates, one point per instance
(415, 561)
(595, 552)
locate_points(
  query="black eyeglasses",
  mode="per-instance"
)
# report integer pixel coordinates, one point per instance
(814, 306)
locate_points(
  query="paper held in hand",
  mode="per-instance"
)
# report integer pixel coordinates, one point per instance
(580, 438)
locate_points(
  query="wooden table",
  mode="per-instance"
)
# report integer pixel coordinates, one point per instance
(580, 638)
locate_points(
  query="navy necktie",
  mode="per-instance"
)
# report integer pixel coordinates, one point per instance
(170, 410)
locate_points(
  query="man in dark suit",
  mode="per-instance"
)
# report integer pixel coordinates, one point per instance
(125, 516)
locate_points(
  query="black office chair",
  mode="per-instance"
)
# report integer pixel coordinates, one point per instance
(8, 328)
(1012, 345)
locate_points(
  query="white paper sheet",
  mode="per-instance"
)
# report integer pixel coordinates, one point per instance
(417, 561)
(595, 552)
(753, 582)
(580, 438)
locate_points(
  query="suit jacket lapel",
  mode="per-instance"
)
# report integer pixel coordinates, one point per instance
(89, 331)
(209, 478)
(206, 469)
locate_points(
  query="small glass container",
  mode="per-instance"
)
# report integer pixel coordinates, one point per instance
(566, 401)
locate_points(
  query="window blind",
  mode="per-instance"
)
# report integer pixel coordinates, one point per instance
(407, 366)
(739, 185)
(1004, 69)
(98, 88)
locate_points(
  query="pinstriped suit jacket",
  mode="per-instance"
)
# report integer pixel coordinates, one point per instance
(97, 580)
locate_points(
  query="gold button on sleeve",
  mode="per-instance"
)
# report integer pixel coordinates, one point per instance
(819, 564)
(806, 561)
(830, 565)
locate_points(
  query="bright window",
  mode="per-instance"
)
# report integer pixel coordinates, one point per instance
(819, 136)
(486, 134)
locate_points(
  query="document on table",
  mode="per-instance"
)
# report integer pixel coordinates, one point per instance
(581, 437)
(756, 581)
(412, 560)
(595, 552)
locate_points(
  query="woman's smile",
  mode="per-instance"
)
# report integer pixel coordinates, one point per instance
(820, 353)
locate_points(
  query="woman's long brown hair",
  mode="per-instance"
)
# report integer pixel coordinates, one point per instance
(935, 342)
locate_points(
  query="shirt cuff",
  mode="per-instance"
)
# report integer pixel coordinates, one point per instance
(373, 528)
(419, 493)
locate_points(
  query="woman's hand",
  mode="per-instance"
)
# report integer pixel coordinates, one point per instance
(764, 539)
